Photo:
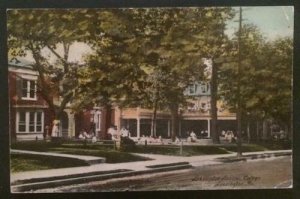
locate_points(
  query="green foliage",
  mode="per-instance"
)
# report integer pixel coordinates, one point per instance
(265, 77)
(34, 31)
(127, 143)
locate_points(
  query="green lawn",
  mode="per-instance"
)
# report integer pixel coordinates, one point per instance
(28, 162)
(111, 155)
(193, 150)
(171, 150)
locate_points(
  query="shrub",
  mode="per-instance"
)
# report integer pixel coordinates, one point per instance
(127, 144)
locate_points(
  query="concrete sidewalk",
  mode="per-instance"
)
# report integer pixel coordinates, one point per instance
(128, 168)
(88, 159)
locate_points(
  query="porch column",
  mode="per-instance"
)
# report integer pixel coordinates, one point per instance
(71, 122)
(138, 123)
(118, 118)
(179, 128)
(208, 128)
(138, 127)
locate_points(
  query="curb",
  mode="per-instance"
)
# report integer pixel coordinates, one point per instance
(253, 157)
(85, 179)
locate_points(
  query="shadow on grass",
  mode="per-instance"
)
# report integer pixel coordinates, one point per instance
(29, 162)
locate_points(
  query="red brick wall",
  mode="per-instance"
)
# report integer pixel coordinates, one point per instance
(15, 99)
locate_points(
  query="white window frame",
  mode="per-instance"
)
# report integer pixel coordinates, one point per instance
(203, 88)
(193, 88)
(97, 120)
(27, 121)
(28, 80)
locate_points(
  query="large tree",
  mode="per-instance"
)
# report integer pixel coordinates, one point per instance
(264, 79)
(139, 45)
(32, 32)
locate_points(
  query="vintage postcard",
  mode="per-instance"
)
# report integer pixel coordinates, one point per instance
(150, 99)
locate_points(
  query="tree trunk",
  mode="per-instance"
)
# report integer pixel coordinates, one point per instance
(265, 130)
(287, 131)
(153, 122)
(174, 121)
(239, 131)
(248, 132)
(106, 120)
(257, 131)
(213, 105)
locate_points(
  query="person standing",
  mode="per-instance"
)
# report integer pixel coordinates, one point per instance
(55, 130)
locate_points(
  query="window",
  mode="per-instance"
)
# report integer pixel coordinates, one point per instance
(30, 122)
(97, 120)
(22, 122)
(204, 88)
(192, 89)
(39, 121)
(28, 89)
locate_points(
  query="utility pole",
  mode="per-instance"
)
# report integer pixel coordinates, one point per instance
(213, 103)
(239, 110)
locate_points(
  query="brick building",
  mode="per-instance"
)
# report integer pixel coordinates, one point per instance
(30, 116)
(29, 113)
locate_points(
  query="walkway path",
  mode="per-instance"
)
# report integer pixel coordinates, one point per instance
(88, 159)
(135, 166)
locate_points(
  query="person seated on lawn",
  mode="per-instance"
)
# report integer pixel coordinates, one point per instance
(177, 140)
(202, 134)
(228, 136)
(205, 133)
(115, 135)
(55, 129)
(124, 132)
(193, 136)
(94, 139)
(80, 136)
(112, 132)
(223, 133)
(85, 134)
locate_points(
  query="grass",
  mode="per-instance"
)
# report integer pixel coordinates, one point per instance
(245, 148)
(171, 150)
(111, 155)
(28, 162)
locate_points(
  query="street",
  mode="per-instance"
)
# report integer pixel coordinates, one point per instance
(258, 174)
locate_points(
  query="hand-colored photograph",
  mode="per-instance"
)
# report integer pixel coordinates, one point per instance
(150, 99)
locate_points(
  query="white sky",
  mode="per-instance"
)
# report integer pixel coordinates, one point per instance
(272, 21)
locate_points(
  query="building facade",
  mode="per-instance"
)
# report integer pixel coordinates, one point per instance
(30, 116)
(193, 117)
(29, 113)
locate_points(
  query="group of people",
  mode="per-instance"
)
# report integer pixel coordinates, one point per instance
(85, 135)
(229, 136)
(192, 137)
(151, 139)
(114, 135)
